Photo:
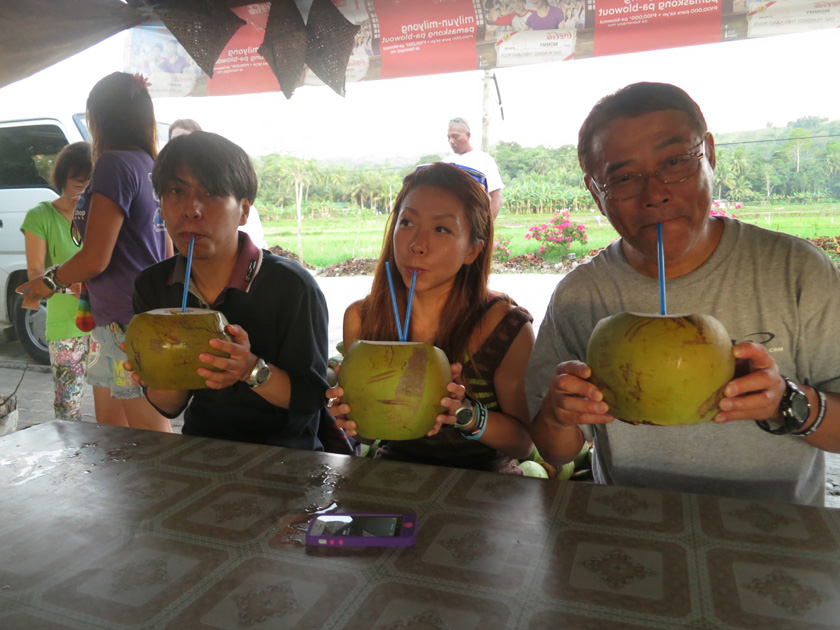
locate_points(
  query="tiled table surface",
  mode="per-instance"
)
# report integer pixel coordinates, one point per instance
(102, 527)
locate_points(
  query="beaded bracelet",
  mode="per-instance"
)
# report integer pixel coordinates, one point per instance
(480, 423)
(820, 416)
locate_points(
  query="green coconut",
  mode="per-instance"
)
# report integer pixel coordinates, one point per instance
(163, 345)
(533, 469)
(663, 370)
(394, 389)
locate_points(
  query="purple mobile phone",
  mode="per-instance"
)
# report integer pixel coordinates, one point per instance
(362, 530)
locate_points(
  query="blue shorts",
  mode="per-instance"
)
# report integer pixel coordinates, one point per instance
(105, 363)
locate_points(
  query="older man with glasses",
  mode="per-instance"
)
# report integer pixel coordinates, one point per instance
(648, 161)
(458, 135)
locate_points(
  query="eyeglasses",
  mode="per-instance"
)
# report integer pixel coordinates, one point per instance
(671, 171)
(477, 175)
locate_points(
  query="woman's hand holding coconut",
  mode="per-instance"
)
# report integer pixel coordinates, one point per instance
(451, 403)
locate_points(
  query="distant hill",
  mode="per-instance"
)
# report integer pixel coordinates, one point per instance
(820, 131)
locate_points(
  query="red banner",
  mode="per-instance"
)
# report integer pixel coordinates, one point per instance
(623, 26)
(240, 68)
(420, 34)
(400, 38)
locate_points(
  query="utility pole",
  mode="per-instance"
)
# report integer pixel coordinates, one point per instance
(485, 112)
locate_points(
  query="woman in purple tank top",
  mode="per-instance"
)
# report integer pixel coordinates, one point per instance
(118, 223)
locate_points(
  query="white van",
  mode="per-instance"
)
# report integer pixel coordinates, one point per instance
(28, 148)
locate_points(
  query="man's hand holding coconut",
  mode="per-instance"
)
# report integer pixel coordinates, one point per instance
(738, 393)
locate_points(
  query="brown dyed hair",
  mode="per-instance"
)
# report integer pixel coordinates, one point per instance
(468, 298)
(631, 101)
(120, 115)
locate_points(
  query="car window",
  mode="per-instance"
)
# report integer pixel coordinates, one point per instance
(27, 154)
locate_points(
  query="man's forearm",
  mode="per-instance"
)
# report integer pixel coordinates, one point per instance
(168, 401)
(827, 436)
(558, 444)
(278, 389)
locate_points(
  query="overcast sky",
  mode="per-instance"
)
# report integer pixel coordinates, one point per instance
(740, 85)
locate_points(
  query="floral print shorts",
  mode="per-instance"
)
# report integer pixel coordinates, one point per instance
(68, 359)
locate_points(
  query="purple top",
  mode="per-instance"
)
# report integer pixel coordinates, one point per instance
(554, 19)
(124, 177)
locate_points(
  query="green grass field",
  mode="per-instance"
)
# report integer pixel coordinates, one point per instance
(328, 241)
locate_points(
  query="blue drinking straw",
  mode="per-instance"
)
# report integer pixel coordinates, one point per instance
(661, 255)
(408, 308)
(402, 333)
(187, 278)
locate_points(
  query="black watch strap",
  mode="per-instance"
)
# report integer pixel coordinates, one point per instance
(52, 282)
(794, 408)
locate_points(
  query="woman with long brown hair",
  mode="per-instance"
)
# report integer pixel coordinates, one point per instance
(441, 231)
(118, 223)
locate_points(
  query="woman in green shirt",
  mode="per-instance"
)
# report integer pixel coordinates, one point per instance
(47, 231)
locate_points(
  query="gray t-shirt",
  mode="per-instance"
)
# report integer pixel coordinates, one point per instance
(763, 286)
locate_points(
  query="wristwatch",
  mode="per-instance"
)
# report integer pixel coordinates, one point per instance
(52, 282)
(465, 415)
(259, 375)
(794, 408)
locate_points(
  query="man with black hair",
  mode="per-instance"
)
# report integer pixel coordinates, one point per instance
(270, 389)
(648, 159)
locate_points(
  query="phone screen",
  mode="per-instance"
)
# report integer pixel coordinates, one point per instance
(357, 526)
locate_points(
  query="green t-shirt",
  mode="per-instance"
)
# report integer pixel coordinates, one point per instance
(49, 224)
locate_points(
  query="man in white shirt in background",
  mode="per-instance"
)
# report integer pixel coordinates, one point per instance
(458, 136)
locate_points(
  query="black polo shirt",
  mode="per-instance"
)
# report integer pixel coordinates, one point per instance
(281, 307)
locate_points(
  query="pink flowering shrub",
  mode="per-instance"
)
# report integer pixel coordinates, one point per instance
(501, 249)
(557, 234)
(715, 212)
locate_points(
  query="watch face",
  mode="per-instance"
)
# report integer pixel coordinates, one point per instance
(262, 374)
(259, 375)
(463, 417)
(49, 282)
(799, 407)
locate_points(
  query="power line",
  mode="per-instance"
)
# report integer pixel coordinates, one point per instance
(726, 144)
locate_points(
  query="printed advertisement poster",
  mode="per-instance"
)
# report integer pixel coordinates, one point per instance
(240, 68)
(401, 38)
(153, 52)
(623, 26)
(524, 47)
(421, 36)
(781, 18)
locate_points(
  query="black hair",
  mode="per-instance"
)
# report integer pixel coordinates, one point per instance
(220, 166)
(73, 161)
(629, 102)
